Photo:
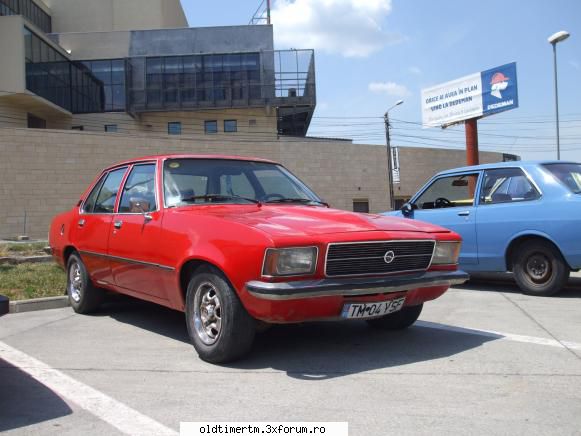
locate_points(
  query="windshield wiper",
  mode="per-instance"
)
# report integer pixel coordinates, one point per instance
(220, 197)
(298, 200)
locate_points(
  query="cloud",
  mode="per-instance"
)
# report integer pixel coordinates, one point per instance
(415, 70)
(390, 88)
(351, 28)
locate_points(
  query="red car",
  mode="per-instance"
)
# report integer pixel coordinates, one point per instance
(239, 243)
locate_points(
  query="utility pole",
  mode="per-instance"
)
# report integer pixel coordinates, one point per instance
(389, 166)
(554, 40)
(268, 12)
(471, 127)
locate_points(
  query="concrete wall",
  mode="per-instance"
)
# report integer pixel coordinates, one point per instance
(43, 172)
(12, 77)
(110, 15)
(418, 165)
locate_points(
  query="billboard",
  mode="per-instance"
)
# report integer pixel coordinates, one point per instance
(472, 96)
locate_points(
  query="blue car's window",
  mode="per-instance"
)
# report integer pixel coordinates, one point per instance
(451, 191)
(506, 185)
(568, 174)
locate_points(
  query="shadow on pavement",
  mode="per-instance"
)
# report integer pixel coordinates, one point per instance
(318, 350)
(492, 281)
(25, 401)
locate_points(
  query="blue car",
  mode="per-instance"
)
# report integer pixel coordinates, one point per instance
(523, 217)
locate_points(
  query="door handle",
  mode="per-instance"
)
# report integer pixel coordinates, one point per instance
(117, 224)
(464, 213)
(81, 223)
(147, 217)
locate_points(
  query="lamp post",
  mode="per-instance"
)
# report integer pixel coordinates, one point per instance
(388, 141)
(554, 40)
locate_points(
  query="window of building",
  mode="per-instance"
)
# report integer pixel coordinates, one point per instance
(361, 206)
(35, 122)
(111, 128)
(54, 77)
(210, 127)
(111, 72)
(77, 128)
(252, 122)
(230, 126)
(29, 10)
(174, 128)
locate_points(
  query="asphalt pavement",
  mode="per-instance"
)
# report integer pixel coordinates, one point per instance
(483, 359)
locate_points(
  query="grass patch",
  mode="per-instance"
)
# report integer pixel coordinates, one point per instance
(33, 280)
(23, 249)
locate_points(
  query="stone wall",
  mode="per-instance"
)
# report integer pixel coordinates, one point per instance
(44, 172)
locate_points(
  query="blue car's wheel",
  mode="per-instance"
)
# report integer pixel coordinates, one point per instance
(539, 269)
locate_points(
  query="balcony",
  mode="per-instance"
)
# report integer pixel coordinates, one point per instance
(284, 80)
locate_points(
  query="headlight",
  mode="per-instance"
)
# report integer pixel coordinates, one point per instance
(446, 253)
(289, 261)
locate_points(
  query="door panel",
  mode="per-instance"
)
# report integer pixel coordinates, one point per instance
(449, 202)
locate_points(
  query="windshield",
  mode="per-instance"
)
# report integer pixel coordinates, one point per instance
(568, 174)
(202, 181)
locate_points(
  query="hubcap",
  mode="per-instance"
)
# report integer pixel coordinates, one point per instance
(538, 268)
(75, 282)
(207, 313)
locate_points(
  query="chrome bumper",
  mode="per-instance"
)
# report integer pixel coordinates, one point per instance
(353, 286)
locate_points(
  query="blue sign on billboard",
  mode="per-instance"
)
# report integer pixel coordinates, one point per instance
(499, 89)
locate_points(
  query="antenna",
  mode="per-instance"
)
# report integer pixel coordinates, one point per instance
(262, 14)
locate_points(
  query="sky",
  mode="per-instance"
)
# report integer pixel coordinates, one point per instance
(371, 53)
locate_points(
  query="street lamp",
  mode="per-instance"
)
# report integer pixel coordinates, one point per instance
(389, 168)
(554, 40)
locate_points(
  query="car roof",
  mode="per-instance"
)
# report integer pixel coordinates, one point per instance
(510, 164)
(191, 156)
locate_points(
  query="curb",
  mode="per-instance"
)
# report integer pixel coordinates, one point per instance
(27, 259)
(20, 306)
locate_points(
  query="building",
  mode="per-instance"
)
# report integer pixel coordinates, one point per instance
(134, 66)
(85, 83)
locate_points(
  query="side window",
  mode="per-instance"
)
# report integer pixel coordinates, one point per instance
(451, 191)
(108, 193)
(237, 184)
(506, 185)
(92, 198)
(139, 191)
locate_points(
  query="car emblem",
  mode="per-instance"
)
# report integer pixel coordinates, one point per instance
(389, 257)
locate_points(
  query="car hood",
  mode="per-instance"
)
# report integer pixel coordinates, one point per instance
(311, 220)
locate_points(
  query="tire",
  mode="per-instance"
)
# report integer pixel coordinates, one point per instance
(398, 320)
(84, 297)
(539, 269)
(219, 327)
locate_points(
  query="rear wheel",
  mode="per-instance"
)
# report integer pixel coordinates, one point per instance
(539, 269)
(399, 320)
(219, 327)
(83, 295)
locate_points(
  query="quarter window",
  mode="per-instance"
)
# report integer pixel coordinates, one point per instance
(108, 193)
(139, 191)
(451, 191)
(506, 185)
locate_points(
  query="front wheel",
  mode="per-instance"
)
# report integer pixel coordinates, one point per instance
(399, 320)
(219, 327)
(84, 297)
(539, 269)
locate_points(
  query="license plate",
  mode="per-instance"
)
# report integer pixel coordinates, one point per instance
(371, 310)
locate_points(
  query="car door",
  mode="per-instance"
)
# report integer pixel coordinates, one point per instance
(509, 203)
(449, 202)
(135, 234)
(91, 232)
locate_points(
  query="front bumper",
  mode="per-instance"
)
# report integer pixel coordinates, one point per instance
(348, 287)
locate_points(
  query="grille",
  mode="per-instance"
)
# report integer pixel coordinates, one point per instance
(368, 257)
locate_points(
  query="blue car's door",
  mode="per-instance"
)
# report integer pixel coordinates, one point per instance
(449, 202)
(508, 204)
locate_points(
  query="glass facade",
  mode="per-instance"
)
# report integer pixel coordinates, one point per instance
(188, 81)
(29, 10)
(111, 72)
(65, 83)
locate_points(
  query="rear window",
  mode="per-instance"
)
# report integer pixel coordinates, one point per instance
(568, 174)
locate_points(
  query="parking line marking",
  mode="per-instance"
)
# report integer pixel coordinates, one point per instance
(123, 418)
(503, 336)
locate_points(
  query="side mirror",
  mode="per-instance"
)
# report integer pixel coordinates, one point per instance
(407, 210)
